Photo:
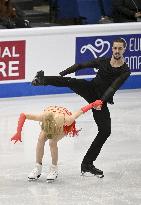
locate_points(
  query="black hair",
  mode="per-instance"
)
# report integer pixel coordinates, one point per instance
(120, 40)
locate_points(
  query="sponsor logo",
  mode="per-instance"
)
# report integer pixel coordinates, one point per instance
(90, 48)
(12, 60)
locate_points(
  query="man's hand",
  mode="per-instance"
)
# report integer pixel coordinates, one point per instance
(138, 14)
(97, 104)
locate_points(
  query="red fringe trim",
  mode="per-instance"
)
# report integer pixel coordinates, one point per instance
(71, 130)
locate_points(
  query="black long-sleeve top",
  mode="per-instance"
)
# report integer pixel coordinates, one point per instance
(124, 10)
(108, 79)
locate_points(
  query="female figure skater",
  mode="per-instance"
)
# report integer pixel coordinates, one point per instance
(56, 122)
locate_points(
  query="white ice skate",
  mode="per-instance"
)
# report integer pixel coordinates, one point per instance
(52, 174)
(36, 172)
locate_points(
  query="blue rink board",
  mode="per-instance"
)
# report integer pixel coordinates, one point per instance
(26, 89)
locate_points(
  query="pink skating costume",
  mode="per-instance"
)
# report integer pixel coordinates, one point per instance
(68, 130)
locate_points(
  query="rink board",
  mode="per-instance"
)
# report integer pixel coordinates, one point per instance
(23, 52)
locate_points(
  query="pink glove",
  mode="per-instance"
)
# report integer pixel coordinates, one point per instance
(95, 104)
(17, 136)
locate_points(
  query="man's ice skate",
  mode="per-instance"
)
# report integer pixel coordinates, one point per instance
(91, 169)
(36, 173)
(52, 174)
(38, 80)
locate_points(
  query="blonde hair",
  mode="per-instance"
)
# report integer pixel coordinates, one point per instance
(49, 126)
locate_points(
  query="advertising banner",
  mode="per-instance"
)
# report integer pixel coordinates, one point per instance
(89, 48)
(24, 52)
(12, 60)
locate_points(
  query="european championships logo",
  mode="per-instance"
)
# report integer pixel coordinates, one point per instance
(98, 50)
(90, 48)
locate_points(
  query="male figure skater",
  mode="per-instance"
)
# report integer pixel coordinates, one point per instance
(112, 73)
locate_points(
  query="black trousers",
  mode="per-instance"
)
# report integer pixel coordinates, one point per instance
(102, 118)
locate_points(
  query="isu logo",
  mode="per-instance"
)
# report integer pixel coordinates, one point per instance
(12, 60)
(98, 50)
(89, 48)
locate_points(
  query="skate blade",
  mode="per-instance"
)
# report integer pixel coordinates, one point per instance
(82, 174)
(34, 179)
(88, 174)
(100, 176)
(50, 180)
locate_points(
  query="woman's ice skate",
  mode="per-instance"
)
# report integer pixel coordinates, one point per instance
(35, 173)
(53, 174)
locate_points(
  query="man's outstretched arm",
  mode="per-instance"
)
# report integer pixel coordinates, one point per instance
(76, 67)
(115, 86)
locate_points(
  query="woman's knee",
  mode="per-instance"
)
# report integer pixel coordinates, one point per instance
(42, 138)
(52, 143)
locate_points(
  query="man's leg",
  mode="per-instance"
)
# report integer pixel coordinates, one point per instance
(50, 80)
(103, 121)
(79, 86)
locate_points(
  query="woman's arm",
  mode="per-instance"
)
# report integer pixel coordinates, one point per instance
(21, 121)
(37, 117)
(71, 118)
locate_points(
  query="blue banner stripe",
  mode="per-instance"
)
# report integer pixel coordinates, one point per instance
(25, 89)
